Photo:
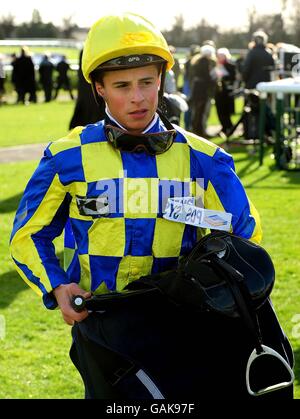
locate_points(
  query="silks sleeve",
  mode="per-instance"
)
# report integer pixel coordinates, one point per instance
(225, 192)
(41, 217)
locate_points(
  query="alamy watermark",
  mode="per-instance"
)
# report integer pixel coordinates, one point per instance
(145, 195)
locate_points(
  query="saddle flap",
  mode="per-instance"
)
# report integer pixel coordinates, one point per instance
(220, 261)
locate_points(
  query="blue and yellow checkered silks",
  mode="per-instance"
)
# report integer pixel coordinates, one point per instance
(106, 252)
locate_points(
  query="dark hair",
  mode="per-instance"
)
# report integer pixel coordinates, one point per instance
(97, 76)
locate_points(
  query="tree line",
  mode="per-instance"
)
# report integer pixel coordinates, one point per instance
(35, 28)
(281, 27)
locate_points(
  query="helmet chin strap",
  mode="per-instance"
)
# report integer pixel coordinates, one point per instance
(161, 105)
(161, 109)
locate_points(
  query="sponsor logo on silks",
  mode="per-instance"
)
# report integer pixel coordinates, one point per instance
(92, 206)
(183, 210)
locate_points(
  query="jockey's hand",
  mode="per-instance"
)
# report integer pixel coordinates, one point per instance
(64, 294)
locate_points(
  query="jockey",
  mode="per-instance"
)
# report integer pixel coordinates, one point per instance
(112, 183)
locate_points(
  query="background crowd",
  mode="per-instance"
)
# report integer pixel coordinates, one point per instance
(27, 78)
(207, 74)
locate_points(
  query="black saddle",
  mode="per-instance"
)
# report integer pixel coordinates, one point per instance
(201, 318)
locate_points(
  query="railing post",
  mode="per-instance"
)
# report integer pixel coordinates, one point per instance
(279, 131)
(262, 123)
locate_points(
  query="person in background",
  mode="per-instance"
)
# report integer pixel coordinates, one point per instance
(203, 86)
(258, 62)
(63, 79)
(46, 77)
(194, 49)
(24, 77)
(239, 63)
(225, 71)
(258, 66)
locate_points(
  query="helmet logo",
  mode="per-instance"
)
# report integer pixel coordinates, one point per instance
(136, 38)
(135, 58)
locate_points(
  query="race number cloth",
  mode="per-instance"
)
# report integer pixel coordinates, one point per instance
(183, 210)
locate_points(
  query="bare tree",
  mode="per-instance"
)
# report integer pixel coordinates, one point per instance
(36, 18)
(7, 26)
(176, 35)
(295, 19)
(252, 17)
(68, 27)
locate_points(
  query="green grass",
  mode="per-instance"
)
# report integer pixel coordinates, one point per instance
(35, 123)
(34, 360)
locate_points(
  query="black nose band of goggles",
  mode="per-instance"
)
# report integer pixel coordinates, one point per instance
(152, 143)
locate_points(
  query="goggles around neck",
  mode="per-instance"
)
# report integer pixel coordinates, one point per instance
(152, 143)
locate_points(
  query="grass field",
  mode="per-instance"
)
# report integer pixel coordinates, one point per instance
(35, 123)
(34, 359)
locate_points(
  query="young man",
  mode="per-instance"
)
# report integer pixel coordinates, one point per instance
(110, 181)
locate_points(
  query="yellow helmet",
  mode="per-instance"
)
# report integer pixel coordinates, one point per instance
(120, 36)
